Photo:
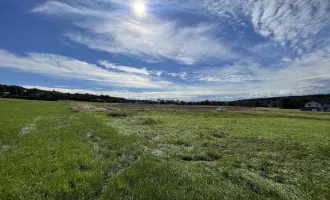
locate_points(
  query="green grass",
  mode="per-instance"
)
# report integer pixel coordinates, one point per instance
(49, 151)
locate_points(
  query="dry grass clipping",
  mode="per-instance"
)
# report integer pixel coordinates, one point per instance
(284, 114)
(91, 108)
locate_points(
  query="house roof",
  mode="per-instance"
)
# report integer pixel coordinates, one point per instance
(323, 101)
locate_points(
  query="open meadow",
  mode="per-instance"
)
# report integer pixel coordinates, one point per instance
(73, 150)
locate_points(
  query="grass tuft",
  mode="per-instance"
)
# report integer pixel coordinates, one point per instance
(213, 154)
(148, 121)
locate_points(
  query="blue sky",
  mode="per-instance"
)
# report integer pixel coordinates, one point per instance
(189, 50)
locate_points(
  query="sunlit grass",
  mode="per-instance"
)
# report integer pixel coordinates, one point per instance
(161, 153)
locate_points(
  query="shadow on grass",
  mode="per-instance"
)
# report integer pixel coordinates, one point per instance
(117, 114)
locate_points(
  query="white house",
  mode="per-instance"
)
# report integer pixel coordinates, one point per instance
(317, 106)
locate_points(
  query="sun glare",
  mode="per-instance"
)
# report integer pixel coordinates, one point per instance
(140, 8)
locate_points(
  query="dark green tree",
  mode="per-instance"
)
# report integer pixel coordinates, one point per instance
(274, 104)
(285, 103)
(3, 88)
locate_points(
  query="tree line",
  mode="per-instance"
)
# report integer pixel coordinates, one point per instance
(292, 102)
(13, 91)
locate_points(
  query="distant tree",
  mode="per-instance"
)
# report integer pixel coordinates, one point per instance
(183, 103)
(285, 103)
(3, 88)
(13, 90)
(257, 104)
(231, 104)
(274, 104)
(207, 102)
(298, 103)
(34, 97)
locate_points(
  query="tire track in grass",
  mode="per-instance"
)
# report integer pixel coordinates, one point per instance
(115, 151)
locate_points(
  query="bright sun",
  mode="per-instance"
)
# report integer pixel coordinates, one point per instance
(140, 8)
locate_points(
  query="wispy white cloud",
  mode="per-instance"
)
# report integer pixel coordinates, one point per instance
(68, 68)
(239, 72)
(150, 38)
(298, 24)
(181, 75)
(62, 86)
(127, 69)
(308, 74)
(142, 71)
(293, 23)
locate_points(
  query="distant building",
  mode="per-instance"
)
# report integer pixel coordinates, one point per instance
(317, 106)
(4, 94)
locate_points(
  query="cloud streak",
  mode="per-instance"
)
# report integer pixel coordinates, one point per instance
(127, 69)
(68, 68)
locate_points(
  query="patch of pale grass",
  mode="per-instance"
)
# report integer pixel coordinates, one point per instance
(157, 153)
(283, 113)
(91, 108)
(4, 149)
(262, 185)
(28, 128)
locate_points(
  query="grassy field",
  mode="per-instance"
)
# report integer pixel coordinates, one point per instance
(70, 150)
